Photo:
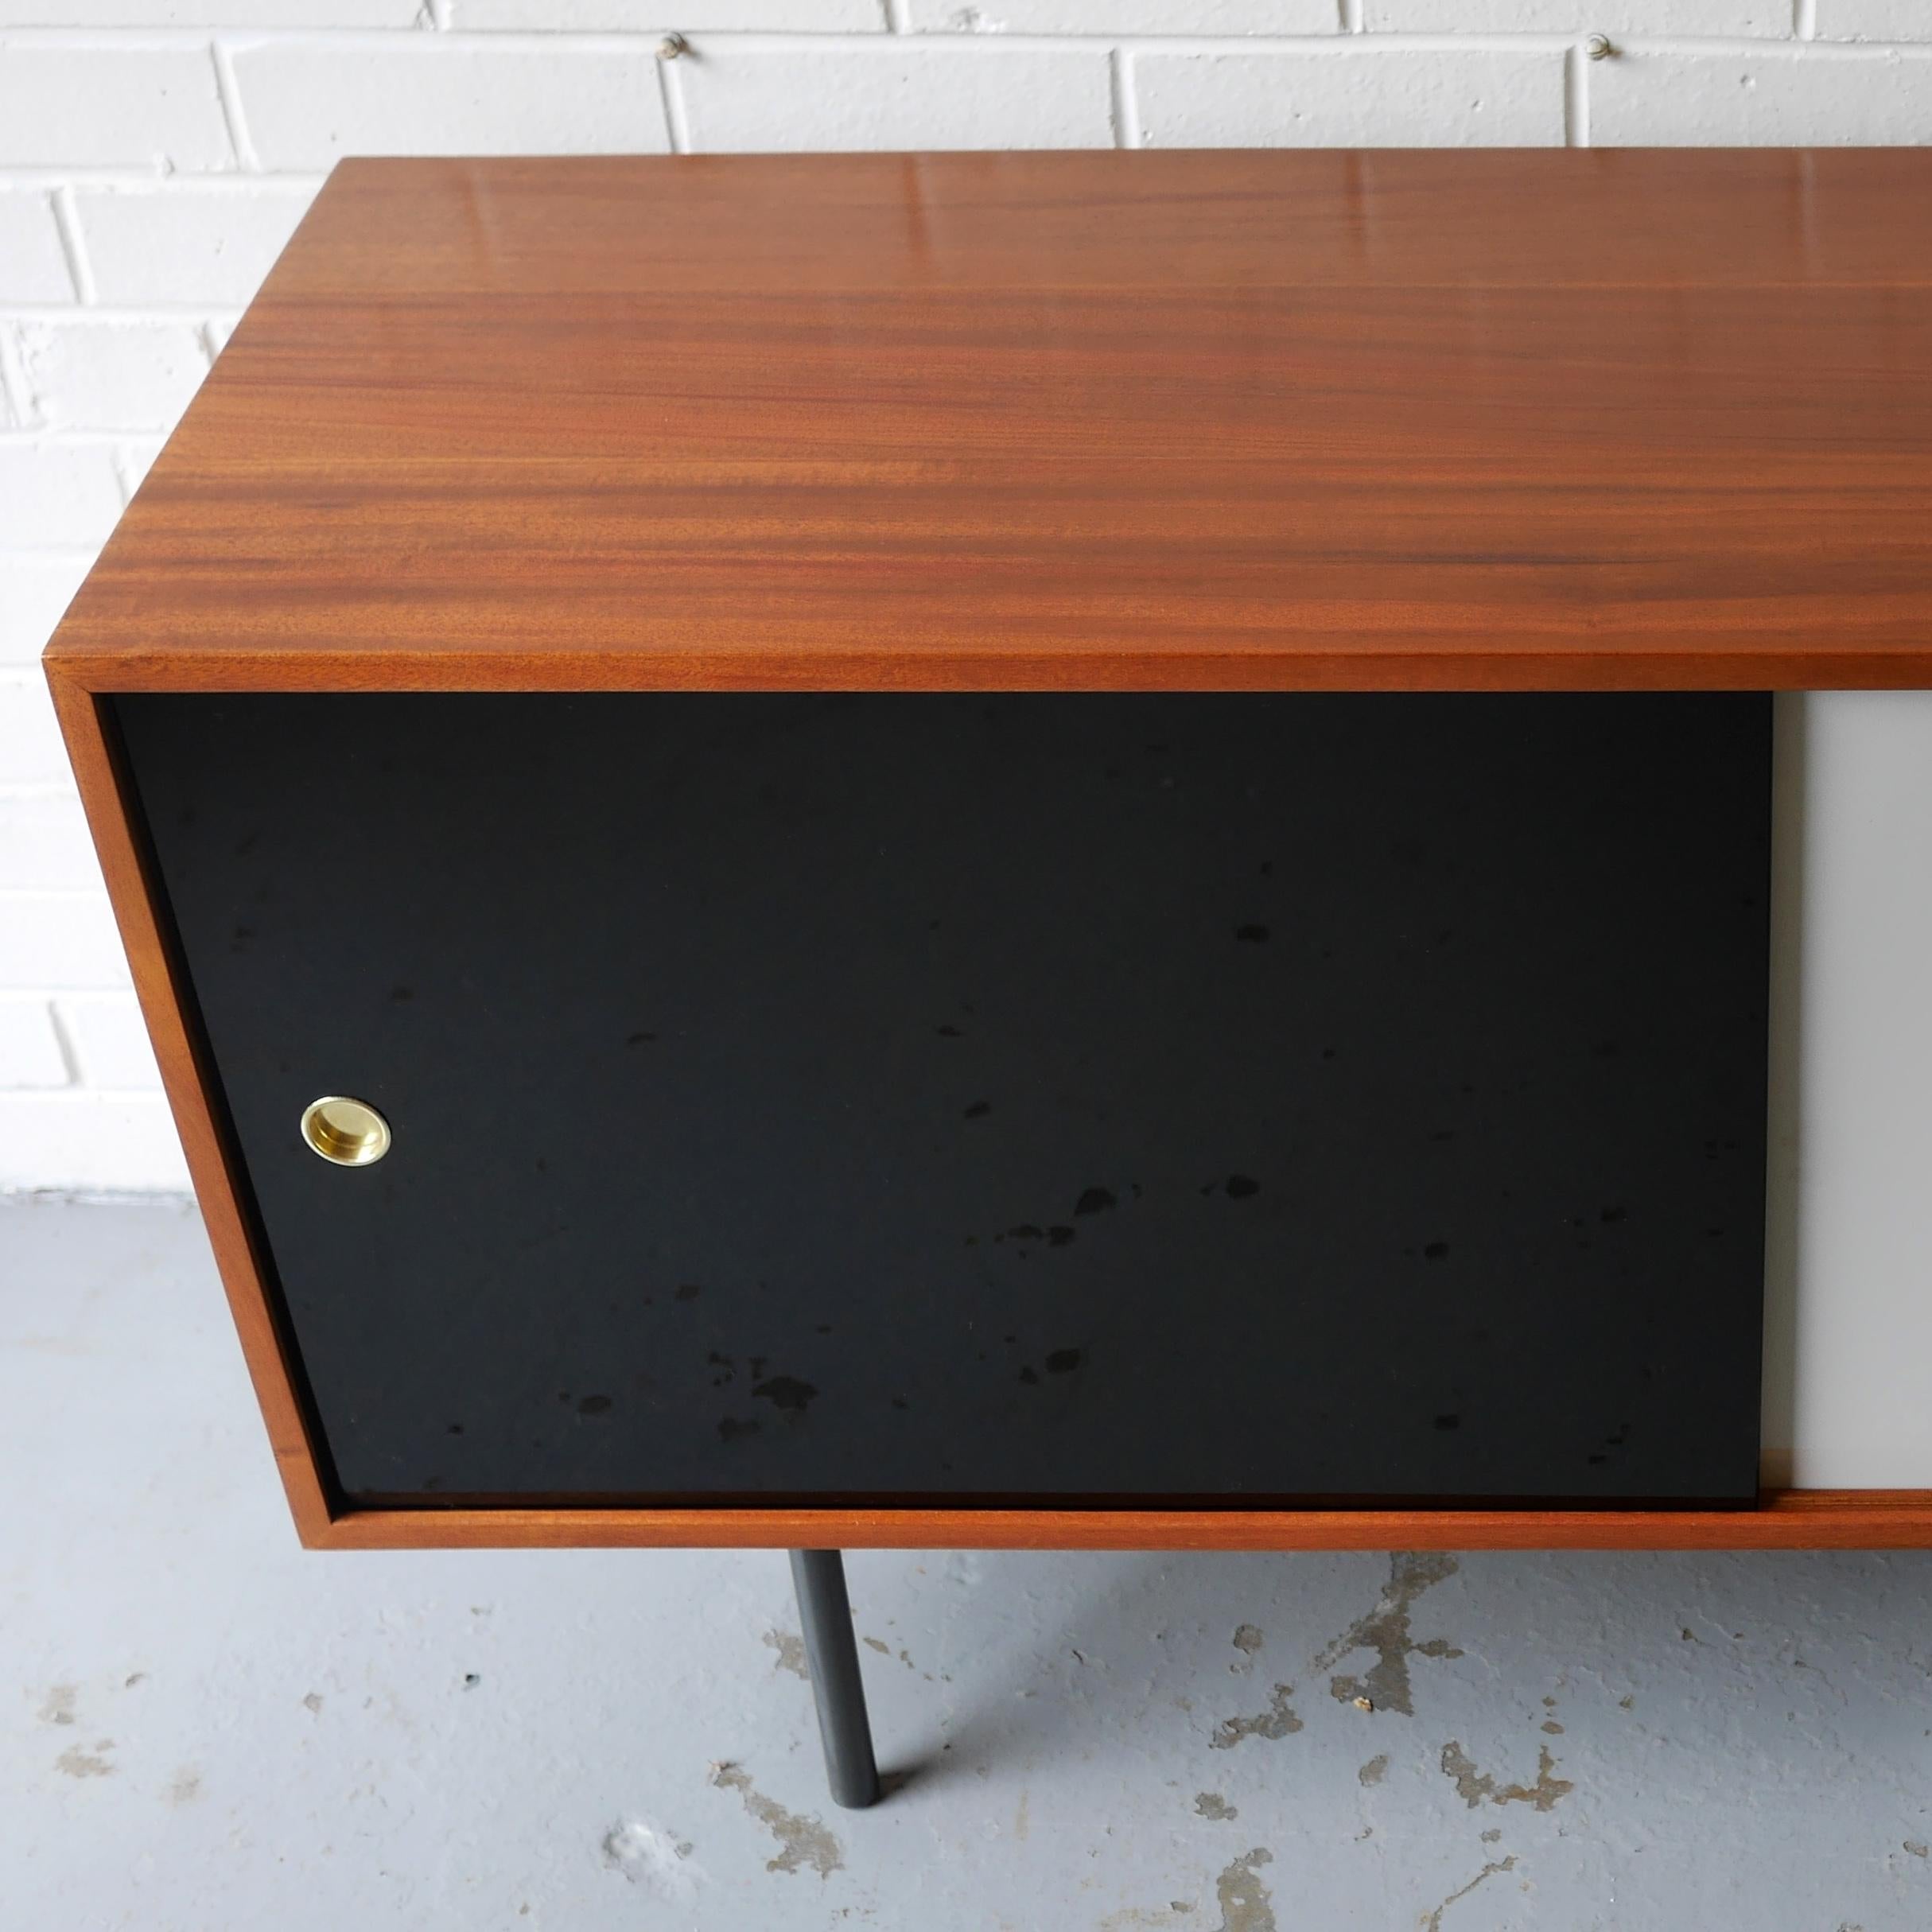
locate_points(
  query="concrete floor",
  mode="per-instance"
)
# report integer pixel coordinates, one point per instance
(207, 1728)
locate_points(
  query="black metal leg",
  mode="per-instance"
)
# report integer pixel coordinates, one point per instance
(832, 1654)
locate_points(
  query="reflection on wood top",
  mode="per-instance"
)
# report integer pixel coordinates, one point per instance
(1563, 419)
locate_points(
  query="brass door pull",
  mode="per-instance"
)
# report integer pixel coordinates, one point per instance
(350, 1133)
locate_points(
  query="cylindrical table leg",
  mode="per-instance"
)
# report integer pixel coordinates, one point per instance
(832, 1652)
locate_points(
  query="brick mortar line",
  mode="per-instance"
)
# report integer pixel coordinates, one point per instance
(965, 45)
(48, 996)
(41, 440)
(125, 476)
(1365, 46)
(1576, 98)
(1801, 34)
(245, 171)
(79, 1090)
(87, 1195)
(671, 103)
(67, 223)
(177, 40)
(1123, 102)
(228, 90)
(70, 1056)
(25, 177)
(15, 388)
(41, 437)
(120, 314)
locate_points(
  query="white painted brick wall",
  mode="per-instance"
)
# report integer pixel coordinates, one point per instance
(899, 93)
(307, 102)
(30, 1054)
(154, 154)
(30, 748)
(62, 938)
(83, 1140)
(1350, 94)
(1113, 17)
(1706, 18)
(186, 244)
(104, 1037)
(690, 16)
(44, 842)
(1873, 20)
(33, 263)
(210, 13)
(57, 497)
(1774, 97)
(109, 375)
(71, 103)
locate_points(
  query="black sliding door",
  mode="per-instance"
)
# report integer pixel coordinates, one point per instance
(963, 1098)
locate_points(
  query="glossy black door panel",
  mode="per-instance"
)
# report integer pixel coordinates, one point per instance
(962, 1097)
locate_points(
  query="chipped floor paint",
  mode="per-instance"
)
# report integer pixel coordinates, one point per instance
(788, 1647)
(1278, 1721)
(802, 1842)
(1473, 1787)
(206, 1728)
(1432, 1921)
(1384, 1630)
(1246, 1906)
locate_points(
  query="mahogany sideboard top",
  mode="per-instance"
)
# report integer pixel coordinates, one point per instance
(1505, 420)
(1568, 420)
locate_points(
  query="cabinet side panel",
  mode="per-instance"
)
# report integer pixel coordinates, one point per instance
(162, 981)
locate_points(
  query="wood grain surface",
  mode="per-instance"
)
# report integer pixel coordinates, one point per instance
(1563, 419)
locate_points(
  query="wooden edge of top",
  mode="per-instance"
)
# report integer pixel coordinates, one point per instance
(216, 1184)
(1785, 1519)
(97, 669)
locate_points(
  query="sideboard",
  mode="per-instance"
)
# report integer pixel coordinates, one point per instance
(1060, 850)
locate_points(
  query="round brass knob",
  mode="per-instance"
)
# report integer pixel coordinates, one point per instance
(350, 1133)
